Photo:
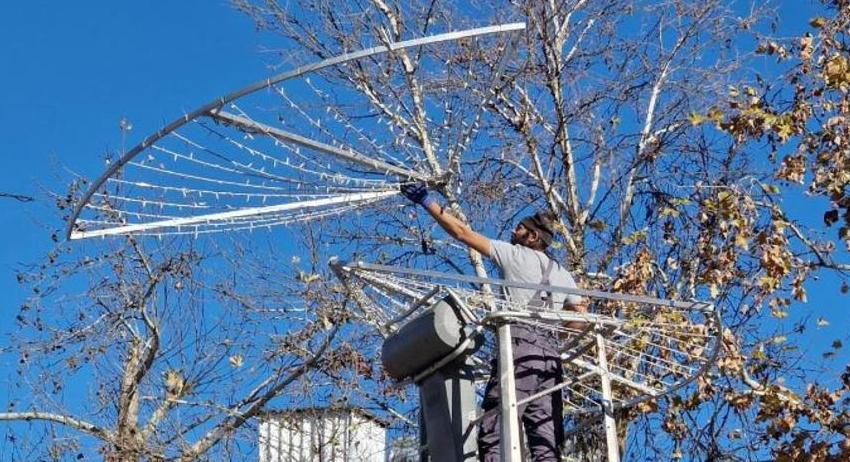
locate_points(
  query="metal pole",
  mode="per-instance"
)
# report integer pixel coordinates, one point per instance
(283, 135)
(607, 402)
(692, 305)
(507, 384)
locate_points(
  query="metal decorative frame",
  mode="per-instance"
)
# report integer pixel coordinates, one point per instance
(343, 186)
(630, 350)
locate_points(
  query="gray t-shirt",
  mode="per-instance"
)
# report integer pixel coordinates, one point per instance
(518, 263)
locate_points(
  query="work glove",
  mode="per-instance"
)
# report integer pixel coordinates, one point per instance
(417, 193)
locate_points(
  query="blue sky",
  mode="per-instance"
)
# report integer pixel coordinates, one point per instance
(72, 70)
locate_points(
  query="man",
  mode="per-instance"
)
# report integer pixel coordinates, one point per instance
(537, 363)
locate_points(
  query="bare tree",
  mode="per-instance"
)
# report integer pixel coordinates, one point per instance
(613, 115)
(606, 113)
(144, 350)
(17, 197)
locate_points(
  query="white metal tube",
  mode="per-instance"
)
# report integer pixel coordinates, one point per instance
(246, 212)
(637, 386)
(607, 402)
(507, 384)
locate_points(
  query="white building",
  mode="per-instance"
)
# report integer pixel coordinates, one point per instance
(322, 435)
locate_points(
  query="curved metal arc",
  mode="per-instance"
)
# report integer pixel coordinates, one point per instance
(221, 101)
(229, 215)
(710, 361)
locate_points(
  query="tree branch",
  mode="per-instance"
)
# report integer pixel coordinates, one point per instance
(240, 417)
(17, 197)
(419, 115)
(68, 421)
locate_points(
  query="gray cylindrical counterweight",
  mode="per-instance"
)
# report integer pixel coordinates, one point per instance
(423, 341)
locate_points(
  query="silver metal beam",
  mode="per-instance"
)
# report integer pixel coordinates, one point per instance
(556, 317)
(611, 439)
(510, 442)
(282, 135)
(413, 307)
(695, 305)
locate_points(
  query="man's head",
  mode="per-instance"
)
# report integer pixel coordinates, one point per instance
(535, 231)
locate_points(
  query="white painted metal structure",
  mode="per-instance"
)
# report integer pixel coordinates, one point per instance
(329, 435)
(632, 348)
(219, 168)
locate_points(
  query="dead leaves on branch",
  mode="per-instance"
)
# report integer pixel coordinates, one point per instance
(727, 221)
(775, 257)
(633, 277)
(790, 423)
(346, 356)
(789, 418)
(835, 72)
(792, 169)
(176, 385)
(732, 360)
(810, 114)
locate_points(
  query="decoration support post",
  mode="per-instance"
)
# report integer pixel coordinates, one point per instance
(607, 402)
(507, 385)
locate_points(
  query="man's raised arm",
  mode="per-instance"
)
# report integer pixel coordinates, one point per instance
(418, 193)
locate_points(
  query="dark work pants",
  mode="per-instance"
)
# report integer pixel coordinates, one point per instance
(537, 366)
